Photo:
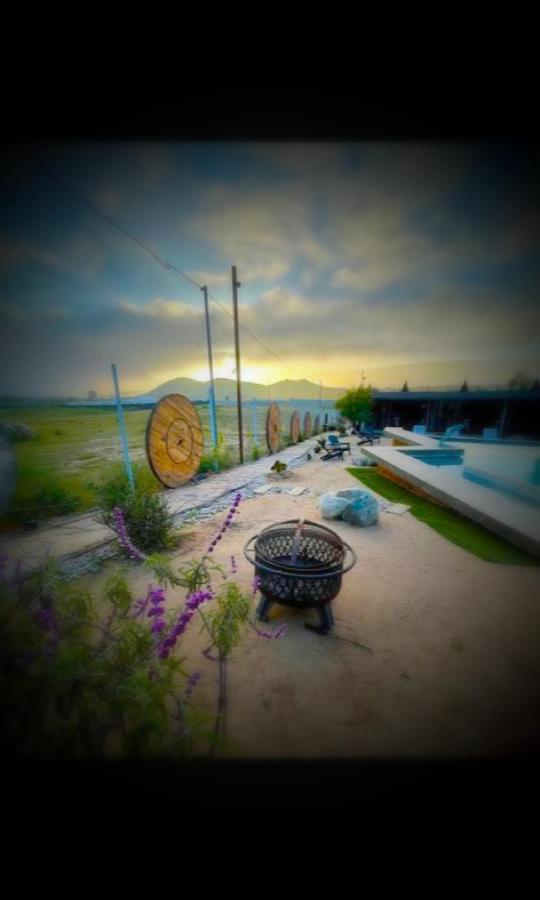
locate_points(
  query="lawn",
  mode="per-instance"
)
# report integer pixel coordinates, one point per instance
(461, 531)
(75, 447)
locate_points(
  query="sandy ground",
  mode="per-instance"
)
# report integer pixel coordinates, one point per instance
(435, 654)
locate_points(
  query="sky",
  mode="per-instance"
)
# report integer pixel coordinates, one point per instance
(351, 257)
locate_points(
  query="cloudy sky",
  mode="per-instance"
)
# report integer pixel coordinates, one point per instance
(350, 256)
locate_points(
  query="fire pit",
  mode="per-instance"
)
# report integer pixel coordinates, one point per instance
(300, 564)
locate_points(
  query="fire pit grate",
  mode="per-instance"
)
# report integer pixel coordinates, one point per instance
(300, 564)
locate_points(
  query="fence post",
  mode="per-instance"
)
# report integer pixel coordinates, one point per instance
(122, 428)
(255, 435)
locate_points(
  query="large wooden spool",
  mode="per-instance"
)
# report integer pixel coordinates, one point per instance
(295, 427)
(308, 425)
(317, 424)
(174, 440)
(273, 428)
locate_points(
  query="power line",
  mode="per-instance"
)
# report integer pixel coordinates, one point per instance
(162, 262)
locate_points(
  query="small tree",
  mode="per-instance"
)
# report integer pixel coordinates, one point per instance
(464, 386)
(520, 381)
(357, 404)
(405, 387)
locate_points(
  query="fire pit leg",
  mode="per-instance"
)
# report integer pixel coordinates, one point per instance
(326, 621)
(326, 617)
(263, 608)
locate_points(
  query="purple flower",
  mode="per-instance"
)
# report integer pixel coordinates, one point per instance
(123, 537)
(192, 684)
(156, 611)
(255, 585)
(157, 626)
(227, 522)
(271, 635)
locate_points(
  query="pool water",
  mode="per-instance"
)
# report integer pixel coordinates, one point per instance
(432, 458)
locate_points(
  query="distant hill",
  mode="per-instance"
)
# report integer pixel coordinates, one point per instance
(488, 374)
(226, 388)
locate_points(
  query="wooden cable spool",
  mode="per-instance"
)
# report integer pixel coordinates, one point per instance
(273, 428)
(174, 440)
(308, 425)
(295, 427)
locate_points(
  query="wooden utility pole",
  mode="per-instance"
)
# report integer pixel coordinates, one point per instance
(235, 286)
(211, 391)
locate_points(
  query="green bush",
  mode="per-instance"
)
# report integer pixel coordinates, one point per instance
(224, 457)
(79, 683)
(149, 523)
(256, 453)
(50, 499)
(114, 488)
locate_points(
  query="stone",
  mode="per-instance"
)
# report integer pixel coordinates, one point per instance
(351, 493)
(18, 432)
(332, 506)
(362, 510)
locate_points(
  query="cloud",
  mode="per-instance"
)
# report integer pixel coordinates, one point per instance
(211, 279)
(160, 309)
(78, 256)
(263, 231)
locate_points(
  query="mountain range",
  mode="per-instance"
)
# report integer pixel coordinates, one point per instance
(419, 376)
(225, 389)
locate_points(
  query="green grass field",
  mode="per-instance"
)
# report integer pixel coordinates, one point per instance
(75, 447)
(451, 525)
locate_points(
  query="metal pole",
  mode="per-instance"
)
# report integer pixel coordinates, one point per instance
(235, 286)
(211, 389)
(122, 427)
(255, 435)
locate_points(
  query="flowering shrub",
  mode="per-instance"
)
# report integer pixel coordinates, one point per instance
(80, 683)
(146, 519)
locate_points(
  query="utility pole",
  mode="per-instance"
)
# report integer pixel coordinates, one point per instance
(235, 286)
(211, 391)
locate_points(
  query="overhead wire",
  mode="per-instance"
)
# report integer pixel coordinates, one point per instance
(160, 260)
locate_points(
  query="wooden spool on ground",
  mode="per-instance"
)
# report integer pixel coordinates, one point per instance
(317, 424)
(308, 425)
(174, 440)
(295, 427)
(273, 428)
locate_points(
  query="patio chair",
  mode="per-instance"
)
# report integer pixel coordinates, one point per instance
(367, 435)
(335, 452)
(332, 442)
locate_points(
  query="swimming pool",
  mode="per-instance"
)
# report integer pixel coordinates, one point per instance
(512, 470)
(437, 457)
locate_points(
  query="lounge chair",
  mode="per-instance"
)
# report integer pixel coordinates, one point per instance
(334, 452)
(332, 442)
(367, 435)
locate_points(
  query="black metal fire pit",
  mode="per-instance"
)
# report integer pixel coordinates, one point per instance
(300, 564)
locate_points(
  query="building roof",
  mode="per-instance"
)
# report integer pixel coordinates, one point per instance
(456, 395)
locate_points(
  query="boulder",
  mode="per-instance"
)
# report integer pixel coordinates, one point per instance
(351, 493)
(332, 506)
(362, 510)
(17, 432)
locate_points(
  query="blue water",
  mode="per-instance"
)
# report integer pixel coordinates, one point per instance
(438, 459)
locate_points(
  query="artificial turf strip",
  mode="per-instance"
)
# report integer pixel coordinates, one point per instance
(461, 531)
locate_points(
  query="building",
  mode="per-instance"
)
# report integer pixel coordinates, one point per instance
(512, 413)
